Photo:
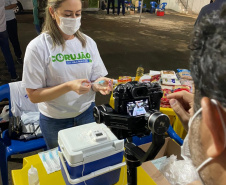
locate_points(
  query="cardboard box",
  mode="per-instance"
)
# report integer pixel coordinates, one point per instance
(169, 148)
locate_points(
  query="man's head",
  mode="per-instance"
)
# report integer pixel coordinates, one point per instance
(208, 68)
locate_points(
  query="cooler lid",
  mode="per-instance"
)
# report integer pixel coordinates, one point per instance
(88, 142)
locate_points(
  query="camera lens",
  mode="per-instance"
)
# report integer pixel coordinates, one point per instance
(97, 112)
(157, 122)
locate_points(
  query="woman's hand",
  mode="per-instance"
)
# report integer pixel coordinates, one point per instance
(105, 87)
(80, 86)
(182, 104)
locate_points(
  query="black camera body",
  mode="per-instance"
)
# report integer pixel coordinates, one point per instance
(136, 111)
(135, 91)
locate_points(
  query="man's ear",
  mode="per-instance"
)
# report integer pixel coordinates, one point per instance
(211, 118)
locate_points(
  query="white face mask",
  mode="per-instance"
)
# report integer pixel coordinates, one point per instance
(69, 25)
(224, 127)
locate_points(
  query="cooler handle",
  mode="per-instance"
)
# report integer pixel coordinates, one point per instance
(91, 175)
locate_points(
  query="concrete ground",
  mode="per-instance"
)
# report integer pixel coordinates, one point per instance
(124, 44)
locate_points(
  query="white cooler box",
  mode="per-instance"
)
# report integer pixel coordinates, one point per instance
(87, 152)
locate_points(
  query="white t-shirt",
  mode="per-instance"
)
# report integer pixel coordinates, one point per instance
(2, 16)
(9, 14)
(45, 66)
(19, 100)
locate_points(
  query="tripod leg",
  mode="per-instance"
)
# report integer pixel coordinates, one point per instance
(131, 175)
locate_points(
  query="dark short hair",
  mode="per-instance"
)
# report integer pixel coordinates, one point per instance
(208, 57)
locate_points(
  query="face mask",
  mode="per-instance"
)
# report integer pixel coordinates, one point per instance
(69, 25)
(224, 127)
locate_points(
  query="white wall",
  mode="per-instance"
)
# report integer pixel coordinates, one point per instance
(197, 5)
(194, 5)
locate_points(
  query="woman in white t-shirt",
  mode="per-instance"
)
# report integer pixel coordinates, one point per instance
(59, 65)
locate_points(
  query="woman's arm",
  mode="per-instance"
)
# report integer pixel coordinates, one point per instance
(51, 93)
(9, 7)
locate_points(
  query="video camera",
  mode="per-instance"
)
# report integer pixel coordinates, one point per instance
(136, 111)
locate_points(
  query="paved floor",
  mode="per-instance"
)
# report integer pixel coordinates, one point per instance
(156, 43)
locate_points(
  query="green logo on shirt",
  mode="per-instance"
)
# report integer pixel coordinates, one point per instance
(72, 57)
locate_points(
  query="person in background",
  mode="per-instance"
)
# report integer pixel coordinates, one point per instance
(59, 66)
(35, 15)
(139, 109)
(11, 26)
(215, 5)
(4, 44)
(123, 7)
(113, 6)
(41, 12)
(206, 136)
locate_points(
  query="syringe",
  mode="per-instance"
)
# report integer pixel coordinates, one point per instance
(91, 83)
(102, 83)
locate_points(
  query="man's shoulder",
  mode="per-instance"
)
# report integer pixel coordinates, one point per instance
(206, 9)
(211, 7)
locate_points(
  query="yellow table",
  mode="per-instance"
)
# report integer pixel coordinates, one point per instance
(20, 177)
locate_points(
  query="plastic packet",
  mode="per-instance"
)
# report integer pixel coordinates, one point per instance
(168, 74)
(145, 78)
(124, 79)
(170, 81)
(4, 116)
(178, 172)
(30, 117)
(189, 83)
(184, 74)
(178, 88)
(155, 78)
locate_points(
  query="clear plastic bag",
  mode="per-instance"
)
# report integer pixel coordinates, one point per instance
(4, 116)
(30, 125)
(178, 172)
(30, 117)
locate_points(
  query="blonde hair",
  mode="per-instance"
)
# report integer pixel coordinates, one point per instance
(50, 26)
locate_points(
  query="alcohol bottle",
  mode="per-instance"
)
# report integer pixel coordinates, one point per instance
(33, 176)
(139, 73)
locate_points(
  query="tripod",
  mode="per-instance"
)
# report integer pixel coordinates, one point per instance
(135, 156)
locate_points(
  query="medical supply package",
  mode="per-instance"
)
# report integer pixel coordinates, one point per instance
(50, 160)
